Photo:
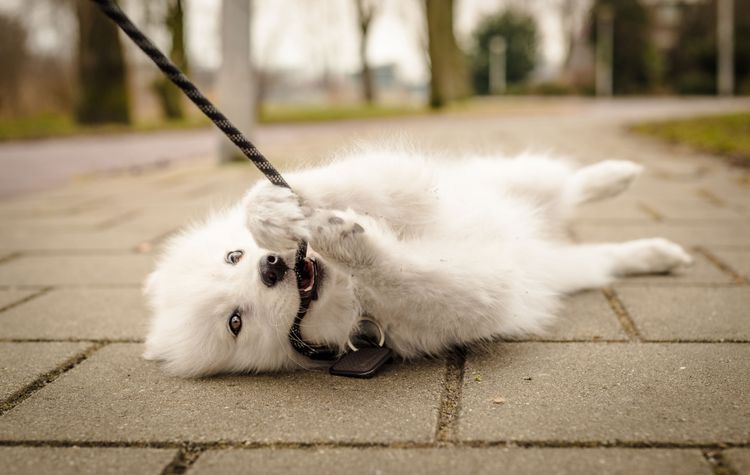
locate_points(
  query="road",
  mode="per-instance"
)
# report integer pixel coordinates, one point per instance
(42, 164)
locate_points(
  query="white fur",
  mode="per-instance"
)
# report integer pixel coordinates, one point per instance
(451, 252)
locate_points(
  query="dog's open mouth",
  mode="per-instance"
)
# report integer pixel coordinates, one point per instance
(310, 276)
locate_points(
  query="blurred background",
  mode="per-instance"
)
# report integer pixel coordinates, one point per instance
(68, 71)
(281, 68)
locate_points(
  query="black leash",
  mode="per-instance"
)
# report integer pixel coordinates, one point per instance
(110, 8)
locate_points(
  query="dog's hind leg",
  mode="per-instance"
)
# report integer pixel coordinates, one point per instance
(554, 185)
(573, 268)
(600, 181)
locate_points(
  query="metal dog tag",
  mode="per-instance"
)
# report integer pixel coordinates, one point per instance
(363, 363)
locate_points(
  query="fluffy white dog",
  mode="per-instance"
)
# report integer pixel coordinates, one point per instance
(439, 253)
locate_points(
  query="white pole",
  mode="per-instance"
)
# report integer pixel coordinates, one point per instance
(235, 78)
(725, 45)
(604, 51)
(498, 60)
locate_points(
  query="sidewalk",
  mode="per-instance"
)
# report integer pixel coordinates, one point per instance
(651, 376)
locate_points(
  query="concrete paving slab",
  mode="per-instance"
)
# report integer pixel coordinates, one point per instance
(586, 316)
(738, 259)
(689, 313)
(156, 219)
(78, 313)
(626, 392)
(725, 233)
(117, 396)
(89, 219)
(115, 269)
(10, 297)
(22, 363)
(662, 185)
(452, 461)
(83, 460)
(620, 208)
(691, 206)
(739, 460)
(45, 206)
(701, 272)
(67, 239)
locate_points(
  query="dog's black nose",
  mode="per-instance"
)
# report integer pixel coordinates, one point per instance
(272, 269)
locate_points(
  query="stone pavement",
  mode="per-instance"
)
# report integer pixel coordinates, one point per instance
(650, 376)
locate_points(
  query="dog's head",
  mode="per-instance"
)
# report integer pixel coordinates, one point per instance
(223, 304)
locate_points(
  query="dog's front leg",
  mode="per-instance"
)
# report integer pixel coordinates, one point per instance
(276, 217)
(351, 239)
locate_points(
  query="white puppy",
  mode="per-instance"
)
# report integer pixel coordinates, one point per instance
(439, 253)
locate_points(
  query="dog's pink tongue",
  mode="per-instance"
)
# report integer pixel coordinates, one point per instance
(308, 278)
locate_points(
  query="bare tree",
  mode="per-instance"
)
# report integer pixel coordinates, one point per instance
(103, 92)
(13, 56)
(236, 83)
(169, 96)
(572, 13)
(365, 13)
(449, 74)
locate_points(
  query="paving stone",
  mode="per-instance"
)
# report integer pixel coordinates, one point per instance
(116, 269)
(6, 255)
(586, 316)
(116, 396)
(739, 459)
(627, 392)
(78, 313)
(159, 219)
(739, 260)
(451, 461)
(677, 172)
(662, 187)
(10, 297)
(64, 238)
(730, 191)
(724, 233)
(690, 206)
(85, 220)
(83, 460)
(32, 206)
(22, 363)
(689, 313)
(619, 208)
(702, 271)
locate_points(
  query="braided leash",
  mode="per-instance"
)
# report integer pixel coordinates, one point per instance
(110, 8)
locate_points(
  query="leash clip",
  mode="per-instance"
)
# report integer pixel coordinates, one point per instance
(381, 334)
(363, 361)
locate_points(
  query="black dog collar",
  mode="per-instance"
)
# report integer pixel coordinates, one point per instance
(361, 361)
(310, 350)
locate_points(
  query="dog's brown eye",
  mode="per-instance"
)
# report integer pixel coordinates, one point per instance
(235, 323)
(234, 257)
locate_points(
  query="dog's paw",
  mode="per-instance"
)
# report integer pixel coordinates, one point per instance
(604, 179)
(339, 234)
(276, 217)
(656, 255)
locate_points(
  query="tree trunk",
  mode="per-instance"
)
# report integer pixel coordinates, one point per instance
(365, 14)
(13, 56)
(102, 78)
(169, 95)
(449, 74)
(236, 81)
